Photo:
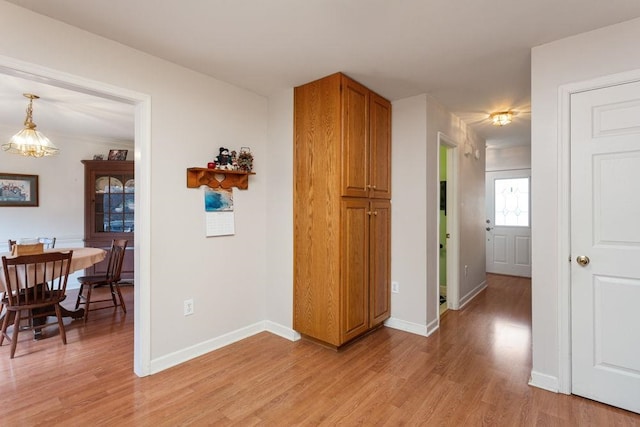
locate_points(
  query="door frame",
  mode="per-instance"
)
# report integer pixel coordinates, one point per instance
(564, 213)
(453, 225)
(142, 154)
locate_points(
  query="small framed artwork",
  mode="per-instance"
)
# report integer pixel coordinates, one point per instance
(118, 154)
(18, 190)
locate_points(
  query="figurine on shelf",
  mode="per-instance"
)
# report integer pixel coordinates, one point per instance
(223, 160)
(245, 159)
(234, 159)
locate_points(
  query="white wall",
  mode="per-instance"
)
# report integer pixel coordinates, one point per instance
(191, 116)
(508, 158)
(415, 203)
(279, 241)
(602, 52)
(409, 212)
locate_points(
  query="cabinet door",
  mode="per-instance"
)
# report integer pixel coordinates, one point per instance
(355, 267)
(114, 202)
(380, 262)
(355, 152)
(380, 147)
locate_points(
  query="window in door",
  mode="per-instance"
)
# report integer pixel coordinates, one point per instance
(512, 202)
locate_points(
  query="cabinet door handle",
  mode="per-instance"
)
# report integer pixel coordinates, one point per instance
(369, 213)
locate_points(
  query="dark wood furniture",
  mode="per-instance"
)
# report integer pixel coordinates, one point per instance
(342, 210)
(109, 209)
(35, 286)
(110, 278)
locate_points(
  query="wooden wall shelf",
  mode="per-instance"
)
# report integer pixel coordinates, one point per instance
(217, 178)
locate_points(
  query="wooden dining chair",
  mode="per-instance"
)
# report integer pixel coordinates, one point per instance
(110, 278)
(34, 287)
(47, 242)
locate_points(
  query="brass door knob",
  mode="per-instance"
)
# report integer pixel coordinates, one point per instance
(583, 260)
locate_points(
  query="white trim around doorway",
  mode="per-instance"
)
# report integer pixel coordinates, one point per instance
(142, 155)
(453, 224)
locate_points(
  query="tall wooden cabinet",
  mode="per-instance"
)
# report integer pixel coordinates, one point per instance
(342, 208)
(109, 209)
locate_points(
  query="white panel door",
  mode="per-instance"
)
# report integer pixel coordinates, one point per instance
(508, 222)
(605, 245)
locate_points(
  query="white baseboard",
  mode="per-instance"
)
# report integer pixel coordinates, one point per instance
(281, 331)
(403, 325)
(184, 355)
(433, 326)
(466, 299)
(544, 381)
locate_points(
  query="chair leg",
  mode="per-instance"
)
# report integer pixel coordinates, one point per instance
(16, 330)
(87, 301)
(113, 294)
(63, 333)
(79, 296)
(5, 325)
(124, 307)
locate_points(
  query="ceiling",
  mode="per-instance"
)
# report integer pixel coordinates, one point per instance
(471, 55)
(62, 112)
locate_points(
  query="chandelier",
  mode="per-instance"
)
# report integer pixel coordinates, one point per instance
(30, 142)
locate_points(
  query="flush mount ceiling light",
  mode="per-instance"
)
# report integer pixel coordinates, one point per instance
(29, 142)
(501, 118)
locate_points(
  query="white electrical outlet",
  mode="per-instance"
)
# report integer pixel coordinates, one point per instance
(466, 270)
(188, 307)
(395, 287)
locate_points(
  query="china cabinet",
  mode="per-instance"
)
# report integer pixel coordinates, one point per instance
(109, 205)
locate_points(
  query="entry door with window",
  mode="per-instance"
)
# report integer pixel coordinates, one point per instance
(605, 245)
(508, 222)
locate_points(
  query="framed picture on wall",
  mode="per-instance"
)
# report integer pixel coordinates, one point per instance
(18, 190)
(118, 154)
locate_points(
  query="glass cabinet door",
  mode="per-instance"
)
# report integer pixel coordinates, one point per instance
(114, 202)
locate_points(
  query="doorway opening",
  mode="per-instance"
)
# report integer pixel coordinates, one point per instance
(448, 253)
(142, 141)
(442, 277)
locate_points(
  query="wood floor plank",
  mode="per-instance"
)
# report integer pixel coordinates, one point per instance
(472, 371)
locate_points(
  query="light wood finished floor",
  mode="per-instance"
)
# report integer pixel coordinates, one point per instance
(473, 371)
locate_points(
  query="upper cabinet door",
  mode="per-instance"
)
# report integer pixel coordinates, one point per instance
(380, 147)
(355, 128)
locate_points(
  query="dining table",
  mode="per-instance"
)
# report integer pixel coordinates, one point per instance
(82, 258)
